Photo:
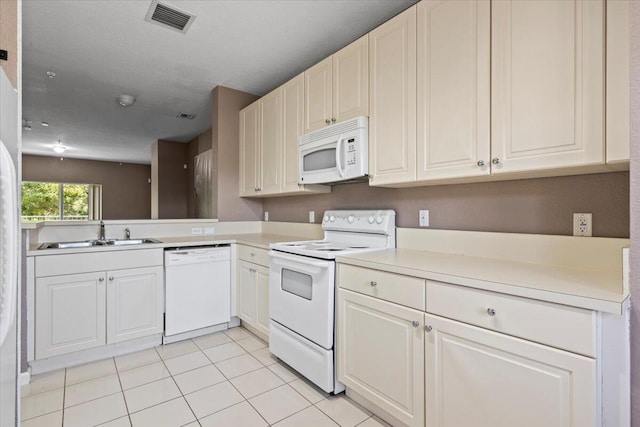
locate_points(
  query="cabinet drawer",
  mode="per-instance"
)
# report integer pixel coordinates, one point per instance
(560, 326)
(405, 290)
(254, 255)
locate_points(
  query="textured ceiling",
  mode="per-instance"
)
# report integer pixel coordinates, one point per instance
(99, 49)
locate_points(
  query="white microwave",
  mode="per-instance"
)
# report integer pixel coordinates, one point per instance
(336, 153)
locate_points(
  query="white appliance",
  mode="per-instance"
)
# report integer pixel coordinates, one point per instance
(302, 290)
(335, 153)
(9, 253)
(197, 288)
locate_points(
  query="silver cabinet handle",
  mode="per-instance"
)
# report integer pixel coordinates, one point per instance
(480, 163)
(374, 284)
(333, 119)
(327, 121)
(428, 328)
(415, 323)
(111, 279)
(495, 160)
(491, 311)
(101, 279)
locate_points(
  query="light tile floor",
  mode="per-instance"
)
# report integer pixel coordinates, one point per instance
(226, 379)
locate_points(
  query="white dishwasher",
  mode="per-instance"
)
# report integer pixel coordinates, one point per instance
(197, 288)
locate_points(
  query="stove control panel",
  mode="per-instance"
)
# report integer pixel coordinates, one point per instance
(364, 221)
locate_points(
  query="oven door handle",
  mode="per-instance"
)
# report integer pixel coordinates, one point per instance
(300, 259)
(339, 156)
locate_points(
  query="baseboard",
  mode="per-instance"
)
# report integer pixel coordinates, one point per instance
(194, 334)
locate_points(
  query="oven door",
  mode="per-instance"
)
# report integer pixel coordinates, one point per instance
(301, 295)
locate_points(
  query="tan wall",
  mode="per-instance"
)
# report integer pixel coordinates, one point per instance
(126, 192)
(9, 38)
(635, 212)
(227, 103)
(172, 180)
(541, 206)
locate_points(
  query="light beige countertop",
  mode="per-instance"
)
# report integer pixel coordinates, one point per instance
(258, 240)
(595, 290)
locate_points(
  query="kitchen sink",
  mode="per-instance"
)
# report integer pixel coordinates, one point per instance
(92, 243)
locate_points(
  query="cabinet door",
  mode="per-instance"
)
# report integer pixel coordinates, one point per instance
(381, 354)
(292, 129)
(351, 81)
(547, 84)
(247, 292)
(70, 313)
(453, 89)
(392, 102)
(134, 303)
(249, 149)
(317, 90)
(618, 116)
(262, 299)
(480, 378)
(270, 142)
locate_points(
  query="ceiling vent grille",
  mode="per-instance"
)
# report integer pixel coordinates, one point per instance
(186, 116)
(163, 14)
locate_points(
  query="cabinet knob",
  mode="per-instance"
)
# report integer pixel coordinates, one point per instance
(101, 279)
(111, 279)
(415, 323)
(333, 119)
(428, 328)
(252, 253)
(327, 121)
(374, 284)
(491, 311)
(495, 160)
(480, 163)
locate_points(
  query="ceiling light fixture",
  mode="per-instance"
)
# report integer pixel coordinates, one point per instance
(51, 74)
(125, 100)
(45, 124)
(59, 148)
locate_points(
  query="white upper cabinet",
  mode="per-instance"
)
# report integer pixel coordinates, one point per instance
(618, 115)
(249, 149)
(392, 100)
(453, 125)
(547, 84)
(337, 89)
(270, 142)
(292, 128)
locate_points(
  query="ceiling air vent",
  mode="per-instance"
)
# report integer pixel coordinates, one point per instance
(163, 14)
(186, 116)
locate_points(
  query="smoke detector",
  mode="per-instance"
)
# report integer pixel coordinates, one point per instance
(125, 100)
(169, 16)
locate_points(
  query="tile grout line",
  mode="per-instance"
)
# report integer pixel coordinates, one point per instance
(64, 395)
(126, 405)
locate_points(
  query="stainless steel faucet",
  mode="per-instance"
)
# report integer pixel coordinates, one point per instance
(127, 233)
(102, 236)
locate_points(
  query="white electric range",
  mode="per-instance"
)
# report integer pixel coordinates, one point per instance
(302, 289)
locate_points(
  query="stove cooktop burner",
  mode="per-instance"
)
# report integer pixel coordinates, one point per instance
(330, 249)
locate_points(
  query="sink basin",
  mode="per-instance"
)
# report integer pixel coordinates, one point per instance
(92, 243)
(124, 242)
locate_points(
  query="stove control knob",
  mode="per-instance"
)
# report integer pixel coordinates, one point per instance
(332, 218)
(371, 219)
(325, 219)
(351, 218)
(379, 220)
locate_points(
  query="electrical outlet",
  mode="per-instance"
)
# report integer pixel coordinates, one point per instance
(266, 215)
(582, 223)
(424, 218)
(312, 216)
(196, 231)
(210, 230)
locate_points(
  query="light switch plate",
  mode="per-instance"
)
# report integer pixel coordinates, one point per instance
(312, 216)
(210, 230)
(424, 218)
(195, 231)
(266, 215)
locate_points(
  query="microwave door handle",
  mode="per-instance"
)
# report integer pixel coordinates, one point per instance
(339, 157)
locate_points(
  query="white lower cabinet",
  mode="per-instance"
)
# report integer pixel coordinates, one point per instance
(92, 299)
(253, 289)
(480, 378)
(381, 354)
(70, 313)
(134, 303)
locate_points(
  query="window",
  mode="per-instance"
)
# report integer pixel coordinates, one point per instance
(52, 201)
